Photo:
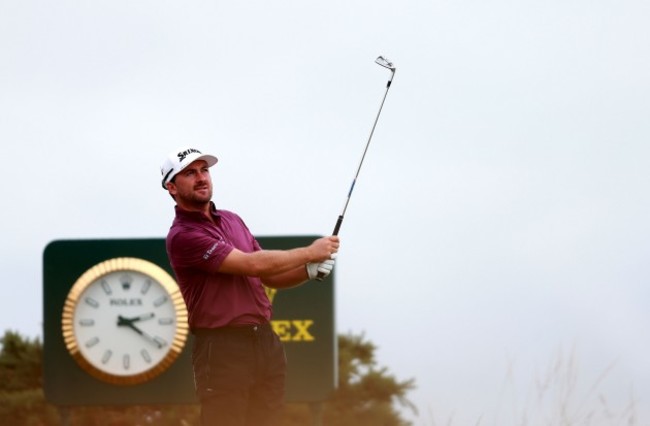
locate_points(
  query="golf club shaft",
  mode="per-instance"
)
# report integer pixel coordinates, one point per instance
(337, 227)
(339, 221)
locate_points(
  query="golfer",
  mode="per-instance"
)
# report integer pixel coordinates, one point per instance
(238, 361)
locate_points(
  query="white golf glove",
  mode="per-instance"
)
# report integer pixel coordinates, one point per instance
(325, 268)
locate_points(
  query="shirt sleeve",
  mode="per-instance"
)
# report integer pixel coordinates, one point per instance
(198, 250)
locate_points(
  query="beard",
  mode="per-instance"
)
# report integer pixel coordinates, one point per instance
(198, 196)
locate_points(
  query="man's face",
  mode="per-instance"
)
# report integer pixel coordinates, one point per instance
(192, 187)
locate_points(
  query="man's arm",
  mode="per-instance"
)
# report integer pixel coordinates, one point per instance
(266, 263)
(288, 279)
(300, 275)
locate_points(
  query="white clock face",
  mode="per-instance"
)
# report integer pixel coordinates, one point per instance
(122, 323)
(125, 323)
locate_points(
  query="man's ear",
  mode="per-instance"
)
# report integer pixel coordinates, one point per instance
(171, 188)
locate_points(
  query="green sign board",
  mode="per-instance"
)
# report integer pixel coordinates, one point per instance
(303, 317)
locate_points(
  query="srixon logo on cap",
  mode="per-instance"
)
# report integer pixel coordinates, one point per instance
(181, 155)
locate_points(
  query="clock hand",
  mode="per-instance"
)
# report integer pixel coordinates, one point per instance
(121, 321)
(151, 339)
(143, 317)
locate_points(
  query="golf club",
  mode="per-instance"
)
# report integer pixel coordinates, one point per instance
(389, 65)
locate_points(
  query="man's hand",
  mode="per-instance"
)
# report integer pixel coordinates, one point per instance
(323, 248)
(321, 270)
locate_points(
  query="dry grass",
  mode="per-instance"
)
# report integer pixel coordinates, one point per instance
(556, 398)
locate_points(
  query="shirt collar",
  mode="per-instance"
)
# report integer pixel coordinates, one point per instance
(197, 215)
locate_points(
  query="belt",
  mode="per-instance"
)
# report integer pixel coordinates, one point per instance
(233, 329)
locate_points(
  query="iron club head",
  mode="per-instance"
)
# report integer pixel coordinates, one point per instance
(384, 62)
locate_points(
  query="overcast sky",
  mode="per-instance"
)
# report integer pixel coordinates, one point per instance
(496, 246)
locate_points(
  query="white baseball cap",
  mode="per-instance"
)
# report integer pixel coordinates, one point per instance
(179, 159)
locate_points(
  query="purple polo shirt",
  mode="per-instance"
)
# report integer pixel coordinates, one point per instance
(196, 248)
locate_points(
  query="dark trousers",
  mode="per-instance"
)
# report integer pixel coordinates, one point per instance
(239, 373)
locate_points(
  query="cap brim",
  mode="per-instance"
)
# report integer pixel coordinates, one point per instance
(210, 159)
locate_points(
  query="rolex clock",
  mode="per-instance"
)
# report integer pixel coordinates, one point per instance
(124, 321)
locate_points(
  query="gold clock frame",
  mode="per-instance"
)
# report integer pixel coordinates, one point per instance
(125, 264)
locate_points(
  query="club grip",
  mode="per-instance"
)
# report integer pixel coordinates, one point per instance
(339, 221)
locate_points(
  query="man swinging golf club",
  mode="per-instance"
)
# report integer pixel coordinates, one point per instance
(238, 361)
